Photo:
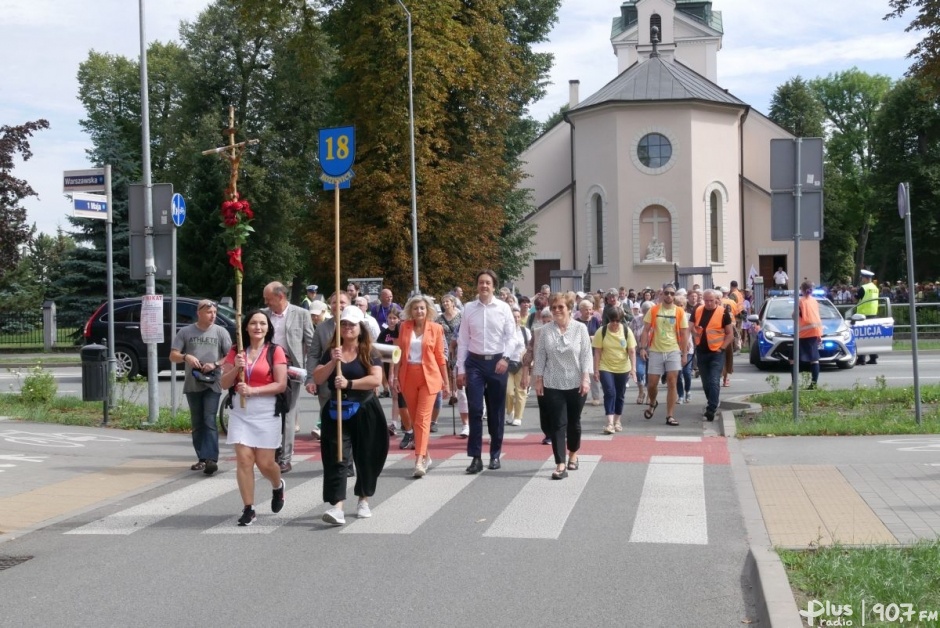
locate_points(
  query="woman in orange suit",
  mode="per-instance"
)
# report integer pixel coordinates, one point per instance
(422, 372)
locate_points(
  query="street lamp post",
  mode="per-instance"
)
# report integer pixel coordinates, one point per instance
(411, 127)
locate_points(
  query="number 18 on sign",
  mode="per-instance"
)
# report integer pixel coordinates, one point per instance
(337, 154)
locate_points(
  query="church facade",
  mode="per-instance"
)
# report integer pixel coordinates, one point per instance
(659, 169)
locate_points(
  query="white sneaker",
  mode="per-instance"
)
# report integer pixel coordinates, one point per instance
(516, 422)
(509, 420)
(363, 511)
(316, 433)
(465, 431)
(688, 398)
(420, 469)
(334, 516)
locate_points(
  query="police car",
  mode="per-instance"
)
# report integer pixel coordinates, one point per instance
(773, 342)
(874, 334)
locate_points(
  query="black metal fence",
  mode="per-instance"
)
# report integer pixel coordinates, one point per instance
(24, 330)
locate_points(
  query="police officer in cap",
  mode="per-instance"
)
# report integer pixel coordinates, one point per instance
(867, 297)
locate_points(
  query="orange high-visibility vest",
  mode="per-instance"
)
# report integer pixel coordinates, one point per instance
(714, 331)
(810, 322)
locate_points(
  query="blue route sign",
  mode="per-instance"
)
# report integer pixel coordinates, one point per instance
(179, 210)
(337, 154)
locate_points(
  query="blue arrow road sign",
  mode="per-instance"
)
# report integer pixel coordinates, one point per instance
(90, 205)
(179, 210)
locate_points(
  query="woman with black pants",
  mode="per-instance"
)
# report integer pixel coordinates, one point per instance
(563, 368)
(365, 435)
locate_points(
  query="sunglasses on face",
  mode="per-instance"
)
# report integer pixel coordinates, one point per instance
(669, 294)
(559, 307)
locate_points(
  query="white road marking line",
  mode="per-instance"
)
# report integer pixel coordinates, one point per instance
(406, 510)
(678, 439)
(601, 437)
(543, 506)
(672, 505)
(150, 512)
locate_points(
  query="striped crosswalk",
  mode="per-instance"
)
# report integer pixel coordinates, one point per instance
(668, 507)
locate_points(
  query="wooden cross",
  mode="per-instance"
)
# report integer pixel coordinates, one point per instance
(233, 153)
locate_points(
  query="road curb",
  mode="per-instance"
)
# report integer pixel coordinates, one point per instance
(774, 599)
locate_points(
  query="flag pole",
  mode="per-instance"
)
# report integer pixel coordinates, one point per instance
(338, 314)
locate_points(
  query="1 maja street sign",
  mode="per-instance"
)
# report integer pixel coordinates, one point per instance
(91, 180)
(90, 205)
(179, 210)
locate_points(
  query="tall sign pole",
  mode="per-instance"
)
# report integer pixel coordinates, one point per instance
(904, 209)
(112, 362)
(150, 266)
(337, 154)
(179, 216)
(797, 199)
(414, 191)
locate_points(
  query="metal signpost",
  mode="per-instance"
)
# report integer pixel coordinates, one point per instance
(793, 163)
(179, 216)
(904, 209)
(76, 183)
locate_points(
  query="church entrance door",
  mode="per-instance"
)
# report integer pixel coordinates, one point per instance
(543, 272)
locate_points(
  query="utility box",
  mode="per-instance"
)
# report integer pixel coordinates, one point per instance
(94, 373)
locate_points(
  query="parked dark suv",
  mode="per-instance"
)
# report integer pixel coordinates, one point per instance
(129, 349)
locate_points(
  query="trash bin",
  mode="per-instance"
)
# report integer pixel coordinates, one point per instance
(94, 373)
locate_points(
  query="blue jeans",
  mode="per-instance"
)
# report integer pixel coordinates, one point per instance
(203, 407)
(640, 370)
(614, 385)
(485, 385)
(709, 368)
(684, 381)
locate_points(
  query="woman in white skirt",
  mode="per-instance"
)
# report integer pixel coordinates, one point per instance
(255, 430)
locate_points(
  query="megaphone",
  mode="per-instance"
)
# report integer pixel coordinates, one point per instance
(390, 353)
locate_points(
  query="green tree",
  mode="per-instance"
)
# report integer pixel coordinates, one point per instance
(850, 100)
(906, 148)
(474, 74)
(926, 53)
(795, 107)
(14, 230)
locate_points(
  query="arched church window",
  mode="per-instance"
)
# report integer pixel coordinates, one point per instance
(657, 23)
(654, 150)
(714, 224)
(599, 229)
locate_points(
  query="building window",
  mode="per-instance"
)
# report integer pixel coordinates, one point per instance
(599, 229)
(657, 23)
(714, 225)
(654, 150)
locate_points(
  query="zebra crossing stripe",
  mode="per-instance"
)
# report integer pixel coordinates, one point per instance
(672, 504)
(150, 512)
(678, 439)
(406, 510)
(297, 501)
(542, 507)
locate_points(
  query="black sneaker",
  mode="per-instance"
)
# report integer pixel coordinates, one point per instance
(407, 441)
(248, 517)
(211, 467)
(433, 426)
(277, 497)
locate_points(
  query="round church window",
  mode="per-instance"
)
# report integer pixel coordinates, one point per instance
(654, 150)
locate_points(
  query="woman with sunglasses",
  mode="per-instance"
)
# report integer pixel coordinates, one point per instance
(365, 434)
(563, 369)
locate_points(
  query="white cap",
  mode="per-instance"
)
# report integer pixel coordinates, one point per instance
(866, 273)
(352, 314)
(317, 307)
(681, 292)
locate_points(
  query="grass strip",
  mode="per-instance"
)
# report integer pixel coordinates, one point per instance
(871, 575)
(65, 410)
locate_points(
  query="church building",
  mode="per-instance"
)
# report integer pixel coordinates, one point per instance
(660, 169)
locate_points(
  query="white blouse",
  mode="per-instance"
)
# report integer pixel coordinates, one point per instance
(414, 350)
(562, 359)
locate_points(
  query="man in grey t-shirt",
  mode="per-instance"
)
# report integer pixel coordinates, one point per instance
(202, 346)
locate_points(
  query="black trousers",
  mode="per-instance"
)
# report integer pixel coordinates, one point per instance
(560, 417)
(365, 439)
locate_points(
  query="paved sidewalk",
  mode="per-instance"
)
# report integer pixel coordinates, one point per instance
(806, 491)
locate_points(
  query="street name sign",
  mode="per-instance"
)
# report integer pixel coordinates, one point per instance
(90, 205)
(91, 180)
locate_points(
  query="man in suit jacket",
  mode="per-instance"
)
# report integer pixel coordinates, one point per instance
(293, 331)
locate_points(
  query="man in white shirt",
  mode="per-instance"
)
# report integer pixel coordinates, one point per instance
(485, 345)
(363, 304)
(781, 278)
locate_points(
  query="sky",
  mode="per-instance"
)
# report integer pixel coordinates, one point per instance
(765, 44)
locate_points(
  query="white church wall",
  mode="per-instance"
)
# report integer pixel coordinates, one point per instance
(553, 237)
(547, 164)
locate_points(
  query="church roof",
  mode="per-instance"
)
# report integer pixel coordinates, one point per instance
(658, 79)
(697, 9)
